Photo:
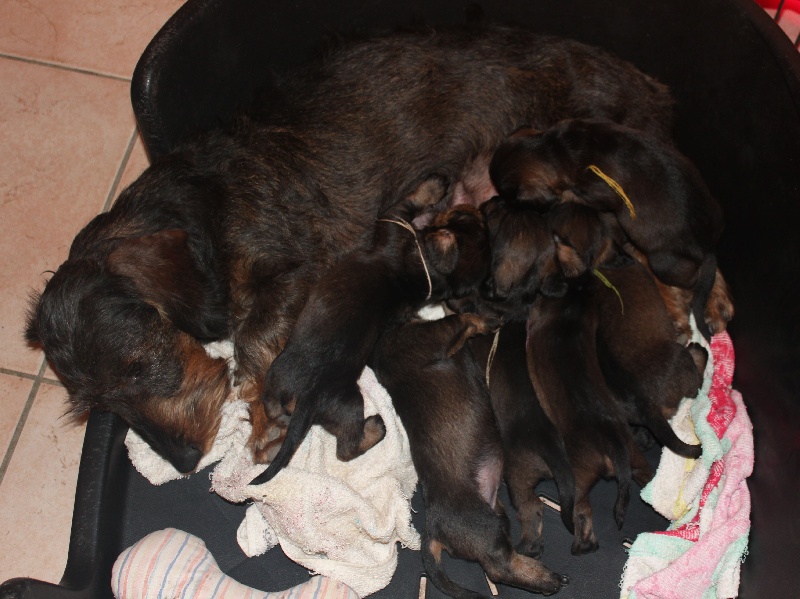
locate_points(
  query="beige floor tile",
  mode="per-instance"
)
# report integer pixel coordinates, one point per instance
(64, 136)
(105, 36)
(38, 492)
(14, 393)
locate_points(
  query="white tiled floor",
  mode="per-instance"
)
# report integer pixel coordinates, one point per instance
(68, 146)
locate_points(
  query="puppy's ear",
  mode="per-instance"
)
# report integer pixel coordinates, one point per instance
(572, 265)
(441, 249)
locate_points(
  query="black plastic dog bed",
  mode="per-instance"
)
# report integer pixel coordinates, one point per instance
(737, 81)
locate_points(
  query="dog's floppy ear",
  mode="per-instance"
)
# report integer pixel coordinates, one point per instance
(441, 249)
(164, 273)
(572, 265)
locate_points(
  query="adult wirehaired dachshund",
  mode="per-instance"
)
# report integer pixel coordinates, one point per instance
(439, 392)
(226, 236)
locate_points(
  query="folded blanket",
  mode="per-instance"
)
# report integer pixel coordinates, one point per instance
(340, 519)
(708, 501)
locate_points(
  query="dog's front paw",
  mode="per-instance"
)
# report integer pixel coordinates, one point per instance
(267, 434)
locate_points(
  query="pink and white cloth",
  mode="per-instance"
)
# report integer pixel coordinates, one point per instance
(699, 555)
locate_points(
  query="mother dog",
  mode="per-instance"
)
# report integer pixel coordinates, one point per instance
(226, 235)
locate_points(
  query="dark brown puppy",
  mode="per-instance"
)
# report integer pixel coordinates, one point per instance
(269, 203)
(523, 258)
(368, 290)
(564, 369)
(673, 218)
(439, 392)
(532, 448)
(645, 368)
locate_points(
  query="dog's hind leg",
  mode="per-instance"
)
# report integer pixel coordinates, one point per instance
(524, 470)
(585, 540)
(345, 420)
(432, 560)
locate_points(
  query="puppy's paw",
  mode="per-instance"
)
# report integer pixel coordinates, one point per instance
(267, 434)
(584, 546)
(478, 324)
(531, 547)
(374, 432)
(554, 584)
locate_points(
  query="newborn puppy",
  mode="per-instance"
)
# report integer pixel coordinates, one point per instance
(584, 239)
(645, 368)
(440, 395)
(315, 377)
(532, 448)
(564, 369)
(523, 257)
(671, 216)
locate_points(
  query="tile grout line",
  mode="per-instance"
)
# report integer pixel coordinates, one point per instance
(30, 377)
(62, 67)
(112, 192)
(12, 445)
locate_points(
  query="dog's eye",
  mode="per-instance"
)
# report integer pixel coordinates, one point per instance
(135, 369)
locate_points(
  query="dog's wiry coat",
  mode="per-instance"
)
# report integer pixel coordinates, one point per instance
(269, 203)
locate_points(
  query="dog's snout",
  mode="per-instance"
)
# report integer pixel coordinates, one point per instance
(186, 459)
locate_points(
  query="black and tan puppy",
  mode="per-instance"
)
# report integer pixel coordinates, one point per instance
(523, 258)
(566, 374)
(227, 235)
(645, 368)
(532, 448)
(316, 375)
(656, 194)
(440, 395)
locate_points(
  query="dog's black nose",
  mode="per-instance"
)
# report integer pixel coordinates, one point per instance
(186, 459)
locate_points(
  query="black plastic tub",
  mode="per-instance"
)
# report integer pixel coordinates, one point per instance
(737, 81)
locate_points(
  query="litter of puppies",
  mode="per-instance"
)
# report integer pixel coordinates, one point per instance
(582, 245)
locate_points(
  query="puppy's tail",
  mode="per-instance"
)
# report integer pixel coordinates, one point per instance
(665, 435)
(702, 291)
(433, 568)
(555, 456)
(299, 425)
(620, 458)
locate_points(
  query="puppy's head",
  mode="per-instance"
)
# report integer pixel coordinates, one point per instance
(107, 326)
(523, 254)
(457, 250)
(526, 166)
(583, 238)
